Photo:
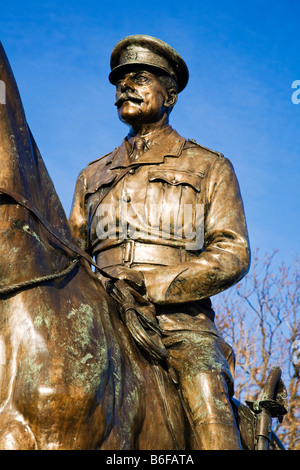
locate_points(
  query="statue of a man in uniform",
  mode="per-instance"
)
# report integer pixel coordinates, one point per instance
(165, 214)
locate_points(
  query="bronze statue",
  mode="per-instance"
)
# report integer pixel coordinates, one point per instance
(159, 175)
(126, 357)
(70, 376)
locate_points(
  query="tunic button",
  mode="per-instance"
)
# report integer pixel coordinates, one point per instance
(132, 171)
(126, 198)
(174, 181)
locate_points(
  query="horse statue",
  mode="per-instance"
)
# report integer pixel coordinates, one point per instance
(71, 377)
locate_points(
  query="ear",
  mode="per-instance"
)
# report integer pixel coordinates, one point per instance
(171, 99)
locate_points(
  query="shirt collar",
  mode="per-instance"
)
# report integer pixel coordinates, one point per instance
(165, 142)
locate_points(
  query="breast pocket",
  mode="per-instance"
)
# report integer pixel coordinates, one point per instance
(172, 199)
(96, 192)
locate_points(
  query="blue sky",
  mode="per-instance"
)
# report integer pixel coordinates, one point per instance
(243, 58)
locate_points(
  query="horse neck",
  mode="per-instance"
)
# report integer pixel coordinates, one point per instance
(22, 169)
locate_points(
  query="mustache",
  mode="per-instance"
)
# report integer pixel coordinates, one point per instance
(128, 96)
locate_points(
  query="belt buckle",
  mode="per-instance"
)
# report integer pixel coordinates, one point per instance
(128, 251)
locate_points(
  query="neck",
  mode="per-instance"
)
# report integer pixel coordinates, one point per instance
(146, 129)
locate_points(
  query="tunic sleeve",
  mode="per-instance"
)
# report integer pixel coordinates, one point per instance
(78, 218)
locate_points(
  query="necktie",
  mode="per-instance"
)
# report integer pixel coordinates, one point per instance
(139, 147)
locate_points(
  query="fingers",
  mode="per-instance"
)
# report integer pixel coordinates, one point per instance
(132, 277)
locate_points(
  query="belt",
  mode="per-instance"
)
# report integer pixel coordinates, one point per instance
(132, 251)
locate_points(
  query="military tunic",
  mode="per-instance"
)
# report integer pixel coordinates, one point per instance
(175, 214)
(173, 175)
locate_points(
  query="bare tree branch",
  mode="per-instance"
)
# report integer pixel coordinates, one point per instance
(260, 318)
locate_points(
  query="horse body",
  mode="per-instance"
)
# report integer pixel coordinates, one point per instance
(70, 375)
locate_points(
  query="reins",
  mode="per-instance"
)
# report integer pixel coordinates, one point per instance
(39, 280)
(71, 246)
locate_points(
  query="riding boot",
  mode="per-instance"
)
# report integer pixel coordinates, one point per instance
(207, 404)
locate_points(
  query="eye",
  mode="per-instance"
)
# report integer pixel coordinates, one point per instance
(142, 78)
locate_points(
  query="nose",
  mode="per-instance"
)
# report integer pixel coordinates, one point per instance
(126, 84)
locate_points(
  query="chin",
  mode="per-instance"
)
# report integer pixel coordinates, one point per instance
(129, 115)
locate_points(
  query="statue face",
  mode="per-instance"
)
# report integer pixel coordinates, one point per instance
(140, 98)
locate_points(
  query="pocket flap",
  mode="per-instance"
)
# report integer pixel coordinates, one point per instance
(176, 177)
(98, 182)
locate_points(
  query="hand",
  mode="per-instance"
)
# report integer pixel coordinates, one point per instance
(134, 278)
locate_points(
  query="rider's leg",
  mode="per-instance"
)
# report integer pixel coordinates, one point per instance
(206, 385)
